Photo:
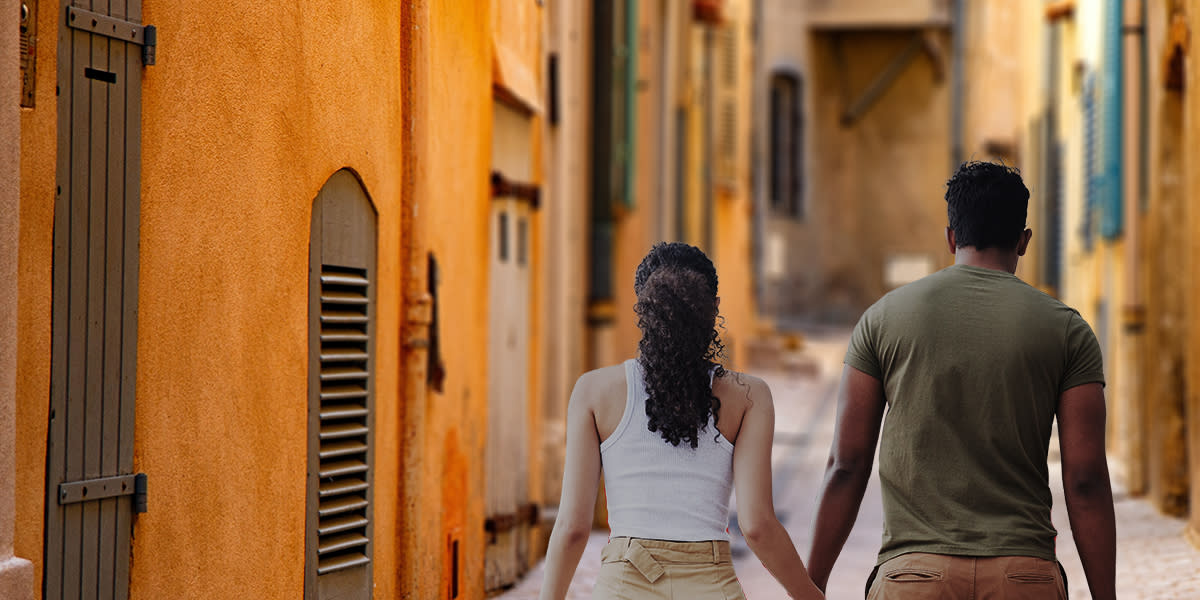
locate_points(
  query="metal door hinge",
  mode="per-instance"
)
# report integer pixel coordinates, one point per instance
(503, 187)
(526, 514)
(139, 493)
(145, 36)
(105, 487)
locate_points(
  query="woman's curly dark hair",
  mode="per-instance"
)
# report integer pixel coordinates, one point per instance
(676, 286)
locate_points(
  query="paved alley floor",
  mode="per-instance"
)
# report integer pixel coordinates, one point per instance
(1154, 560)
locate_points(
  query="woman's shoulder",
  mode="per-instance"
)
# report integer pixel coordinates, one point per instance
(602, 376)
(739, 386)
(600, 383)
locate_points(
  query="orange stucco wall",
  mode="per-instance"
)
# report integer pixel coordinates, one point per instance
(733, 261)
(247, 113)
(452, 155)
(38, 131)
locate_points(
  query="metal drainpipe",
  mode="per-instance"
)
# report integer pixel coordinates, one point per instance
(1134, 50)
(957, 84)
(1133, 428)
(707, 151)
(600, 285)
(759, 183)
(666, 123)
(629, 166)
(1113, 130)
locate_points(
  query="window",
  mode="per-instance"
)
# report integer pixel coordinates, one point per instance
(338, 536)
(787, 145)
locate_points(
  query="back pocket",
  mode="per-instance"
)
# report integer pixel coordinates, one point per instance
(914, 575)
(1030, 577)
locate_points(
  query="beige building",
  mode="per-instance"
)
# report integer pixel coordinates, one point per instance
(1105, 128)
(855, 137)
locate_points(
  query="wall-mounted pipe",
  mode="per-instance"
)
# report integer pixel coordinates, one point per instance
(957, 83)
(1112, 144)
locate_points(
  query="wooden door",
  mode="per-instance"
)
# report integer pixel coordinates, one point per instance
(507, 506)
(90, 485)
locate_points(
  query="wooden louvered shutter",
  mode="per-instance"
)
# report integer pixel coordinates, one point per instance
(338, 537)
(725, 86)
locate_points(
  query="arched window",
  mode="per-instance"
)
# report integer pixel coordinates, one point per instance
(787, 144)
(341, 325)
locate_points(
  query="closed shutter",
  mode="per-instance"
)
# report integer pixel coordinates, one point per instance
(1090, 171)
(341, 427)
(90, 484)
(786, 142)
(1112, 129)
(725, 87)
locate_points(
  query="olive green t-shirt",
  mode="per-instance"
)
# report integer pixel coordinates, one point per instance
(972, 362)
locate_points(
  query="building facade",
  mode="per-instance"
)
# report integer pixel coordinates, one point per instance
(1105, 128)
(854, 134)
(300, 292)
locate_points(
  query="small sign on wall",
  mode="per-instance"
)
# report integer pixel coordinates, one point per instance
(775, 257)
(899, 269)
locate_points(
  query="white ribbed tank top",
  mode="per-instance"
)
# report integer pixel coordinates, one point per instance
(659, 491)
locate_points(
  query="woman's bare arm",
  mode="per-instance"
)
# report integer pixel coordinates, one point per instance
(756, 509)
(581, 481)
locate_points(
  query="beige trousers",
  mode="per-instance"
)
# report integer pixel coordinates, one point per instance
(634, 568)
(919, 576)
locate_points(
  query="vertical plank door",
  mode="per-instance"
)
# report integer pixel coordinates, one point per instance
(90, 484)
(508, 538)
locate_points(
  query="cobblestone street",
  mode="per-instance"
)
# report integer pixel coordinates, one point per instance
(1154, 560)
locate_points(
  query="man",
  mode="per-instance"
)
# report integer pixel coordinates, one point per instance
(973, 366)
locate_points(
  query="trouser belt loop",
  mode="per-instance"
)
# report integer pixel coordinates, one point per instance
(716, 553)
(643, 561)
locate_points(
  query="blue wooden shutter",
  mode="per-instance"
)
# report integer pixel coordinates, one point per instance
(1111, 182)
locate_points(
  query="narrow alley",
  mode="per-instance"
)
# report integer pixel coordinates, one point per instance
(1154, 560)
(303, 288)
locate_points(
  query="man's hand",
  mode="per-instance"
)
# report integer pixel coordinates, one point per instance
(860, 412)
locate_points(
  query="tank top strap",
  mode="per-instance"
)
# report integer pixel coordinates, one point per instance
(633, 391)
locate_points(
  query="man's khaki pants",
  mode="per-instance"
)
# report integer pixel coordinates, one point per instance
(920, 575)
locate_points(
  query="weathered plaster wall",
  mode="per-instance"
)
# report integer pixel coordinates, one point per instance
(1192, 262)
(444, 467)
(786, 249)
(1163, 395)
(878, 184)
(564, 233)
(733, 203)
(992, 102)
(16, 573)
(232, 159)
(37, 147)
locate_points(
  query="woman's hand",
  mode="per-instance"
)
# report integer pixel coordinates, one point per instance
(755, 508)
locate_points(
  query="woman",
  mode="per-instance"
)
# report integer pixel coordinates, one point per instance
(674, 432)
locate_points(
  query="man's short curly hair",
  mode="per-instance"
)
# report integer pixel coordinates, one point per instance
(987, 204)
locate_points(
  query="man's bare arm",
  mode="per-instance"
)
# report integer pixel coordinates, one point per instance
(860, 412)
(1081, 416)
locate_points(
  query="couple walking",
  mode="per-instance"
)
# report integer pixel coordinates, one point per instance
(972, 366)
